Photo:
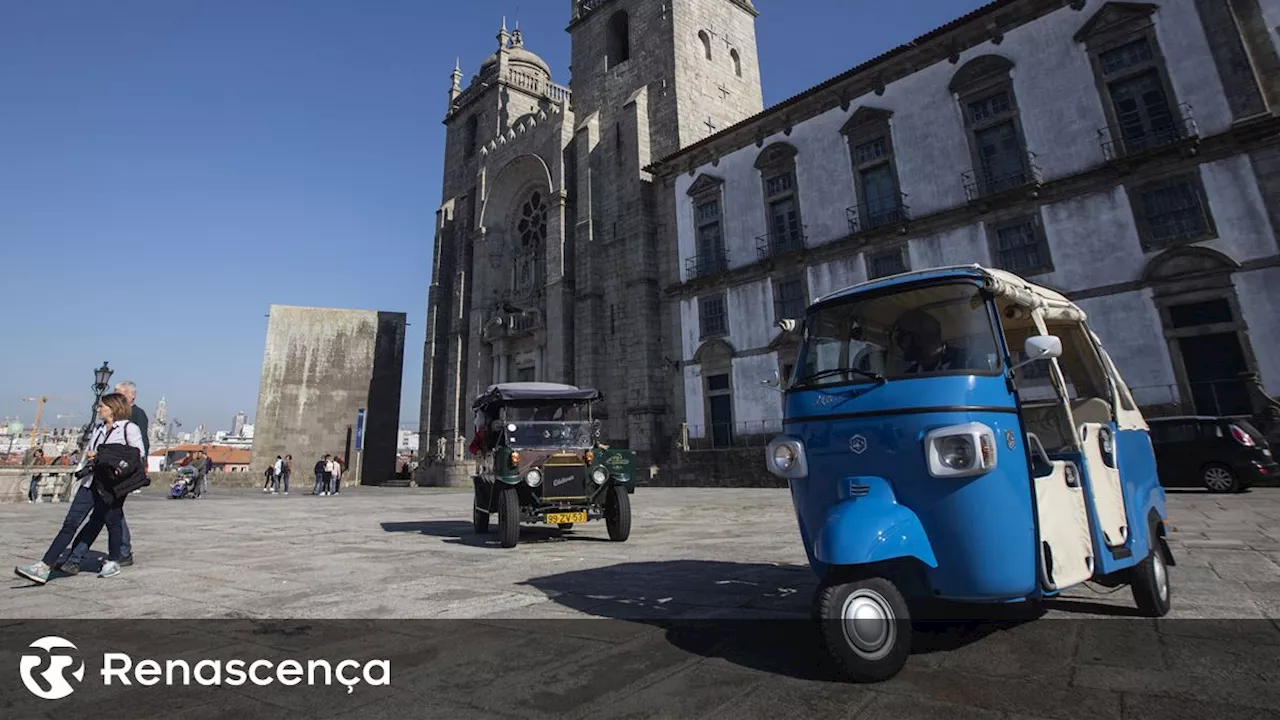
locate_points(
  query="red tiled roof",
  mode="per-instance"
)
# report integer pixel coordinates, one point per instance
(220, 454)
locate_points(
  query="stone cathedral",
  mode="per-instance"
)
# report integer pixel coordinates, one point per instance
(545, 265)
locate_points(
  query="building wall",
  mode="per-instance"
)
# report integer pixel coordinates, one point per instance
(1086, 210)
(320, 366)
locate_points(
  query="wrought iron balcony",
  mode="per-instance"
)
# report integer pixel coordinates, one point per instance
(864, 219)
(780, 243)
(1127, 139)
(705, 265)
(984, 183)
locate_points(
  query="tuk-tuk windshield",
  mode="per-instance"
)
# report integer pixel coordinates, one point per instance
(549, 425)
(934, 330)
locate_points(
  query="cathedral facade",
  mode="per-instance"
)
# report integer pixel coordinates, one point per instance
(546, 260)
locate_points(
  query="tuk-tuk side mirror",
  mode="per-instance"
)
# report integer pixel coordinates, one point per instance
(1040, 347)
(773, 383)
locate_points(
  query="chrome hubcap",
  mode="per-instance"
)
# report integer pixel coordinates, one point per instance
(868, 624)
(1161, 575)
(1217, 479)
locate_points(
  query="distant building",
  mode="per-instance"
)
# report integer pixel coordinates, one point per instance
(238, 423)
(160, 423)
(320, 368)
(225, 458)
(246, 432)
(408, 441)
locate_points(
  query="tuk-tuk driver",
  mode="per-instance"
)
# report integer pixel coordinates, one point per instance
(919, 337)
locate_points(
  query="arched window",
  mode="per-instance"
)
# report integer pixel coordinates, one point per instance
(737, 62)
(531, 228)
(619, 47)
(472, 129)
(984, 88)
(706, 43)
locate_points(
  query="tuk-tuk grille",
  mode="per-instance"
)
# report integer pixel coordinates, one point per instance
(856, 490)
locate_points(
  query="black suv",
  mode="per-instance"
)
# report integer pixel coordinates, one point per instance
(1221, 454)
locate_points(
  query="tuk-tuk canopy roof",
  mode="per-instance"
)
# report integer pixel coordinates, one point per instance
(521, 392)
(1001, 283)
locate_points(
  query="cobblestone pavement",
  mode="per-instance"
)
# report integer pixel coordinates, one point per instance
(712, 555)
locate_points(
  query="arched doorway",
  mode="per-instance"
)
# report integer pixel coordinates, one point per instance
(1208, 338)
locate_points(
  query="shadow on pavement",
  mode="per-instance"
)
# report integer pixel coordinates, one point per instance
(758, 616)
(461, 533)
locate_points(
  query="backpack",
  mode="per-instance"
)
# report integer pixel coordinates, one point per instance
(118, 468)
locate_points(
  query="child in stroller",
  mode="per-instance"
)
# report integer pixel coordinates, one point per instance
(185, 485)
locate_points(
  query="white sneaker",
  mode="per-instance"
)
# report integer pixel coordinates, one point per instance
(286, 492)
(111, 568)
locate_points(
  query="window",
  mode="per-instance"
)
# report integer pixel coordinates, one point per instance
(1020, 246)
(886, 263)
(709, 252)
(737, 62)
(720, 410)
(1209, 312)
(472, 131)
(531, 229)
(1171, 212)
(619, 42)
(1001, 162)
(706, 43)
(1132, 80)
(781, 199)
(789, 298)
(879, 200)
(712, 318)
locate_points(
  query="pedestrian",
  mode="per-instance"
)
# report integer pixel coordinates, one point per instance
(328, 475)
(33, 488)
(208, 468)
(114, 412)
(277, 470)
(286, 472)
(337, 474)
(196, 461)
(321, 468)
(269, 474)
(80, 548)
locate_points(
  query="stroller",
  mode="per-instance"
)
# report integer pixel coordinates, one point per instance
(185, 486)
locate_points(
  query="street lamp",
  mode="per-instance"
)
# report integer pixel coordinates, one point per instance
(101, 377)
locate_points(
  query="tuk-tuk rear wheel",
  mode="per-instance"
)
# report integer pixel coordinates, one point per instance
(1150, 585)
(866, 625)
(618, 514)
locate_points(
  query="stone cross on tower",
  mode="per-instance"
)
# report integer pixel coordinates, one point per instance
(711, 126)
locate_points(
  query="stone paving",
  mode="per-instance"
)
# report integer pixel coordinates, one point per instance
(706, 555)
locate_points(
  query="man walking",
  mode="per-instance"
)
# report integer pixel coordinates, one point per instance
(82, 504)
(321, 468)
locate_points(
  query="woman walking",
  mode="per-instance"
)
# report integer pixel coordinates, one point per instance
(114, 410)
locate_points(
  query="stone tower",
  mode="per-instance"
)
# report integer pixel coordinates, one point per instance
(648, 78)
(545, 262)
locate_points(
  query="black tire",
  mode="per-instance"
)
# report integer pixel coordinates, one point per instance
(1149, 582)
(617, 515)
(566, 526)
(1219, 478)
(884, 649)
(508, 517)
(479, 521)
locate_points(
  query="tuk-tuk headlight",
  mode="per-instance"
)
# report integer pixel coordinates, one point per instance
(533, 478)
(598, 476)
(961, 450)
(786, 459)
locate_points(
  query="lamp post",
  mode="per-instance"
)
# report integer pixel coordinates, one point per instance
(101, 377)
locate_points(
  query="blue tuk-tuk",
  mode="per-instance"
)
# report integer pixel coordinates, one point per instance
(960, 434)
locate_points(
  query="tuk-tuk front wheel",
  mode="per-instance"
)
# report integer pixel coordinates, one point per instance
(866, 626)
(479, 521)
(1150, 585)
(508, 516)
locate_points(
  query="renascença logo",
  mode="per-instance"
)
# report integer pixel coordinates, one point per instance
(121, 668)
(55, 685)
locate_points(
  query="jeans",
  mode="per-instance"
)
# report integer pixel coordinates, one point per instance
(282, 482)
(319, 483)
(110, 514)
(81, 506)
(33, 490)
(84, 540)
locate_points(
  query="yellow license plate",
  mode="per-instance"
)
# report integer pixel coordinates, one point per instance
(562, 518)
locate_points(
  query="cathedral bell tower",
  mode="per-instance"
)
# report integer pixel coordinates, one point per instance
(649, 77)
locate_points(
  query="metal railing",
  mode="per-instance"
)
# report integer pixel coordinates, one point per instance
(775, 244)
(1123, 140)
(862, 218)
(727, 436)
(982, 183)
(706, 264)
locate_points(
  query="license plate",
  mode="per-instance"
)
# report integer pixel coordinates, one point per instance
(562, 518)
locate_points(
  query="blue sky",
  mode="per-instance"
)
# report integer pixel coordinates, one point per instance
(170, 168)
